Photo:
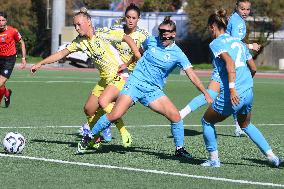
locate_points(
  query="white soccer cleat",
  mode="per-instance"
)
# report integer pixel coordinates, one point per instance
(275, 161)
(211, 163)
(240, 133)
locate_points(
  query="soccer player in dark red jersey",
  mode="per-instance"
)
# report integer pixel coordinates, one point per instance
(9, 36)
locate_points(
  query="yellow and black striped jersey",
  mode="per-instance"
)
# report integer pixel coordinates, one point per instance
(100, 50)
(139, 36)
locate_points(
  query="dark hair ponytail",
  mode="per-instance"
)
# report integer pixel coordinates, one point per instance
(219, 17)
(168, 21)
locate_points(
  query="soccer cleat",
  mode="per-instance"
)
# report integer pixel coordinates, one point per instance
(183, 153)
(240, 133)
(211, 163)
(83, 144)
(84, 129)
(106, 134)
(275, 161)
(126, 139)
(96, 143)
(7, 99)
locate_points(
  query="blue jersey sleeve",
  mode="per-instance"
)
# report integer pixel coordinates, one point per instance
(217, 47)
(236, 26)
(184, 62)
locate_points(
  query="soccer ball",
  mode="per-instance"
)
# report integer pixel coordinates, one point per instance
(14, 142)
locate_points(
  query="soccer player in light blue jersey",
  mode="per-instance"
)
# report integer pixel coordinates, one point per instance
(236, 91)
(161, 55)
(236, 28)
(237, 25)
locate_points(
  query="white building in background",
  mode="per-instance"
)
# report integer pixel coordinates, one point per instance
(149, 21)
(260, 24)
(279, 35)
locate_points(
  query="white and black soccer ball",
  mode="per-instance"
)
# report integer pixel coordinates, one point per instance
(14, 142)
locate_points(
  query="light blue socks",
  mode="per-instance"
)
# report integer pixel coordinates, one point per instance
(200, 100)
(178, 133)
(101, 124)
(257, 137)
(209, 135)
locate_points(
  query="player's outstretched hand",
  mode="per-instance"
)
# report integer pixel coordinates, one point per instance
(23, 64)
(34, 68)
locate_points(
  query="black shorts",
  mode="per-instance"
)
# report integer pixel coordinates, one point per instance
(7, 65)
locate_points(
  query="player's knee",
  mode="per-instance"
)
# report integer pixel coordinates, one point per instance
(88, 110)
(244, 124)
(175, 117)
(204, 122)
(103, 103)
(114, 115)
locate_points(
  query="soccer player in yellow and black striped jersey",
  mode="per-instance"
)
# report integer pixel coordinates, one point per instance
(101, 51)
(111, 92)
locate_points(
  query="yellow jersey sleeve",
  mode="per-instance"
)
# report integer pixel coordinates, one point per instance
(73, 47)
(138, 36)
(110, 35)
(102, 53)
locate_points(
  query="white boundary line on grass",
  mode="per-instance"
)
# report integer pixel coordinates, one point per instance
(74, 126)
(95, 80)
(144, 170)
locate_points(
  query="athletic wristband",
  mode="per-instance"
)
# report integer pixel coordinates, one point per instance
(232, 85)
(250, 46)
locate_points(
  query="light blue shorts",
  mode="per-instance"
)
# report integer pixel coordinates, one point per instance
(223, 105)
(140, 91)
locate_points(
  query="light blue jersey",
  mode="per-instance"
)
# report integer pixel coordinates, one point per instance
(158, 61)
(240, 54)
(236, 26)
(244, 86)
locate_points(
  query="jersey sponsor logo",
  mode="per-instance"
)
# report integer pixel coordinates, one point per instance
(125, 87)
(3, 39)
(167, 57)
(153, 49)
(6, 71)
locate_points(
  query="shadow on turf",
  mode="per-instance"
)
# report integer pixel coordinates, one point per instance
(106, 148)
(262, 162)
(189, 132)
(71, 144)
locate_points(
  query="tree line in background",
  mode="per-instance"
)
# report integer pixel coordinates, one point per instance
(29, 17)
(199, 11)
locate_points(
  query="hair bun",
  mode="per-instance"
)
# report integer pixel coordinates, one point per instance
(221, 13)
(83, 10)
(167, 18)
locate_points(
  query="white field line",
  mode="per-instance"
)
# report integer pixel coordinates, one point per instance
(145, 171)
(129, 126)
(55, 81)
(96, 79)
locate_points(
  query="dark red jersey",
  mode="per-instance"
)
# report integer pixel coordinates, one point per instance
(8, 40)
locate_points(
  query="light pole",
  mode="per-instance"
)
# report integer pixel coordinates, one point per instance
(58, 22)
